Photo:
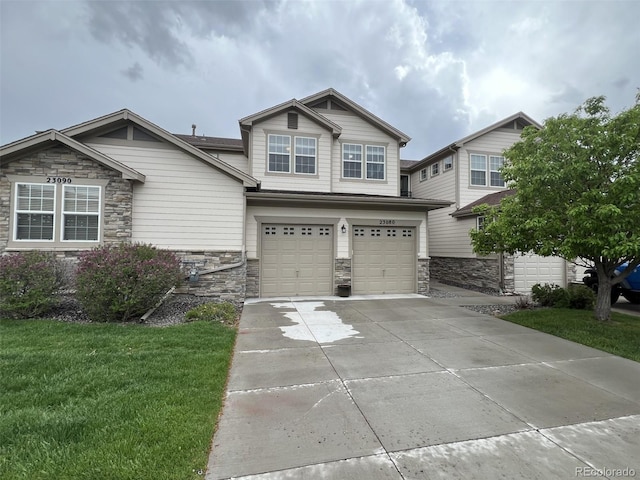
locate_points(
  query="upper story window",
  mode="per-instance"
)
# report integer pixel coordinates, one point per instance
(435, 169)
(448, 163)
(56, 213)
(305, 154)
(352, 161)
(375, 162)
(485, 170)
(423, 174)
(279, 153)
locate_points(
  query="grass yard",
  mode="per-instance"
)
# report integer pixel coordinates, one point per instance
(621, 336)
(107, 401)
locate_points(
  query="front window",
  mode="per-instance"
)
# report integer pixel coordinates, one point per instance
(35, 208)
(279, 153)
(305, 155)
(81, 212)
(435, 169)
(371, 167)
(448, 163)
(375, 162)
(496, 163)
(423, 174)
(479, 170)
(55, 213)
(485, 170)
(351, 160)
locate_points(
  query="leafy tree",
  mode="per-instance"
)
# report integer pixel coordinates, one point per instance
(577, 183)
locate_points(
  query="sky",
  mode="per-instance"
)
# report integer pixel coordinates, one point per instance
(437, 70)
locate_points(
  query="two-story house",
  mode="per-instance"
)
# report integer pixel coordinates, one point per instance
(307, 199)
(467, 173)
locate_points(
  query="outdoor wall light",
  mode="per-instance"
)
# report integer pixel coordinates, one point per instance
(344, 228)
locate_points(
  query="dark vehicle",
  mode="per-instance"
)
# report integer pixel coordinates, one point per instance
(629, 288)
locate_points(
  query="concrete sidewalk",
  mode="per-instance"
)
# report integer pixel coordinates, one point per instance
(416, 388)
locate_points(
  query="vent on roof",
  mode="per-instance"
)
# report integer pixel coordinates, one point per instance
(120, 133)
(292, 120)
(321, 104)
(336, 106)
(143, 135)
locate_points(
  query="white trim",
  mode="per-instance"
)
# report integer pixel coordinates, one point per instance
(98, 214)
(269, 153)
(314, 156)
(15, 212)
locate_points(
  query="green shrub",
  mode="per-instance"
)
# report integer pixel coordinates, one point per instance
(215, 312)
(550, 295)
(28, 283)
(118, 283)
(581, 297)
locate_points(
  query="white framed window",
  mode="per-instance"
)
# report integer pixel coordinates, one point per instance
(448, 163)
(81, 213)
(351, 160)
(375, 162)
(485, 170)
(34, 212)
(371, 165)
(56, 213)
(435, 169)
(480, 222)
(279, 153)
(305, 155)
(423, 174)
(495, 165)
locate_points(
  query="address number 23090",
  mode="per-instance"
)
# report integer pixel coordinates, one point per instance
(387, 222)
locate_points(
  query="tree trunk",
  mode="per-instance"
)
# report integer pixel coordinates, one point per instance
(603, 299)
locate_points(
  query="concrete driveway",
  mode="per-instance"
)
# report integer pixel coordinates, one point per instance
(419, 388)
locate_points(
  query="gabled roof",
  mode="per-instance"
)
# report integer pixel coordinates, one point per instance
(522, 119)
(294, 104)
(43, 139)
(492, 199)
(363, 113)
(128, 115)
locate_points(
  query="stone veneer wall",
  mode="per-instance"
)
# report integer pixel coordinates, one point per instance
(467, 272)
(62, 162)
(423, 276)
(341, 273)
(227, 285)
(253, 278)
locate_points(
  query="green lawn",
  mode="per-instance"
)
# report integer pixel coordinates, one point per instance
(621, 336)
(106, 401)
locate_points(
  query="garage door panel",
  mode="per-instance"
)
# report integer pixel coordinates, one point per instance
(383, 260)
(531, 269)
(296, 260)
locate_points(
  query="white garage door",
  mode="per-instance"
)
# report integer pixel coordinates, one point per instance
(532, 269)
(384, 260)
(296, 260)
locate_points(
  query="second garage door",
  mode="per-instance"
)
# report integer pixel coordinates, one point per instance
(296, 260)
(531, 269)
(384, 260)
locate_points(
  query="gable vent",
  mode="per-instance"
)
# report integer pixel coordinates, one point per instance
(292, 120)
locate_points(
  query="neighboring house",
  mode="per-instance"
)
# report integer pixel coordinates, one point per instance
(309, 198)
(467, 173)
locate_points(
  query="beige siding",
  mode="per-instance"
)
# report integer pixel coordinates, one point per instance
(342, 247)
(184, 203)
(298, 182)
(356, 130)
(448, 236)
(491, 143)
(237, 160)
(440, 187)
